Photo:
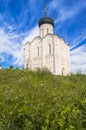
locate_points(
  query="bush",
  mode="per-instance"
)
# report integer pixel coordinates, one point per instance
(11, 67)
(43, 70)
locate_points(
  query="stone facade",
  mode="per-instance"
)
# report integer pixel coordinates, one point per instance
(47, 51)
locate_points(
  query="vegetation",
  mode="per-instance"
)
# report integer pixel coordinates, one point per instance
(40, 101)
(11, 67)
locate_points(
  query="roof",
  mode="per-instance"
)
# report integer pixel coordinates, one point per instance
(45, 20)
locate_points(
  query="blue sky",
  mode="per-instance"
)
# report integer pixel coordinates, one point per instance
(19, 23)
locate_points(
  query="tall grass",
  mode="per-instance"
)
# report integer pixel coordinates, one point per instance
(41, 101)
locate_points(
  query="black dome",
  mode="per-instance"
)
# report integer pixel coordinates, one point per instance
(45, 20)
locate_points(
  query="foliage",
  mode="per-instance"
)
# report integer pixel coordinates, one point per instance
(41, 101)
(11, 67)
(43, 70)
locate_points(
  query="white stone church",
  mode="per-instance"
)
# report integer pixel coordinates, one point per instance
(47, 50)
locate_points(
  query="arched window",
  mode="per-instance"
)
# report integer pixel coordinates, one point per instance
(47, 30)
(38, 51)
(49, 48)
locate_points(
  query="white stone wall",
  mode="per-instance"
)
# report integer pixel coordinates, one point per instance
(35, 54)
(62, 57)
(26, 54)
(48, 51)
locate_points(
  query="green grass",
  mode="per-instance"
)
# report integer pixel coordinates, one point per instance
(40, 101)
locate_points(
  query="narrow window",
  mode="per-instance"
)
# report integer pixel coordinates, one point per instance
(47, 31)
(27, 66)
(38, 50)
(49, 49)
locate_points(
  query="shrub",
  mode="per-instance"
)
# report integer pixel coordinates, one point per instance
(11, 67)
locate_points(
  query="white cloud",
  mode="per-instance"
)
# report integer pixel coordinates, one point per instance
(78, 62)
(66, 13)
(31, 34)
(55, 4)
(9, 47)
(78, 40)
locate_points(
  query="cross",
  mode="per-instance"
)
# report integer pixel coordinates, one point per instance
(46, 11)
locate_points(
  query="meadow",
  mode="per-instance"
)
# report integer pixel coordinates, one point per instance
(41, 101)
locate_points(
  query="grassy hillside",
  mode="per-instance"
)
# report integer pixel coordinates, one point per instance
(41, 101)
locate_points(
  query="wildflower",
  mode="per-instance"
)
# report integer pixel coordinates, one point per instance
(16, 97)
(10, 113)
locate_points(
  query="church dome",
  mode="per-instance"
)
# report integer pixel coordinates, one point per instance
(46, 20)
